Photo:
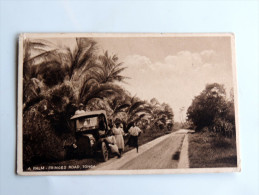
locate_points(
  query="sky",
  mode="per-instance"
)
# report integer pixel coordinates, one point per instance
(172, 69)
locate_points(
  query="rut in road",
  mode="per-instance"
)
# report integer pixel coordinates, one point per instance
(159, 156)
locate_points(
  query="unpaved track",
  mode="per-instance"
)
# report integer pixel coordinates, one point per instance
(160, 153)
(159, 156)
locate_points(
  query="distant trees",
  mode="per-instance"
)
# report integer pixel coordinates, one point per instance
(211, 109)
(162, 115)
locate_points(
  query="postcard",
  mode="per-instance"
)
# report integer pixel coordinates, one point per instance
(121, 103)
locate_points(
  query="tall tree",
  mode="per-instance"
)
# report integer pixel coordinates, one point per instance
(109, 69)
(63, 76)
(36, 53)
(207, 106)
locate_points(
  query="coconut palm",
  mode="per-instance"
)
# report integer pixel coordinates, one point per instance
(62, 76)
(118, 104)
(40, 54)
(46, 66)
(36, 52)
(109, 69)
(161, 115)
(136, 110)
(78, 67)
(100, 91)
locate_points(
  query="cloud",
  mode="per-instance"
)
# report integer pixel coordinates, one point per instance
(207, 53)
(177, 78)
(139, 62)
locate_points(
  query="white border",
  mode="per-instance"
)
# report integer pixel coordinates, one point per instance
(119, 172)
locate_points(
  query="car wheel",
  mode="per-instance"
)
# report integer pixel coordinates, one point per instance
(105, 152)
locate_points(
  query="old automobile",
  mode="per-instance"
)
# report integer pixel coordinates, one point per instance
(90, 132)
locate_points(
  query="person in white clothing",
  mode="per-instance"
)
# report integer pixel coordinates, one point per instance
(134, 132)
(118, 133)
(80, 110)
(111, 142)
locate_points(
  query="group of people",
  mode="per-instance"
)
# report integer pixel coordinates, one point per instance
(116, 135)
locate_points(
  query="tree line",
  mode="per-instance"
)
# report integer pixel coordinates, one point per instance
(213, 111)
(56, 79)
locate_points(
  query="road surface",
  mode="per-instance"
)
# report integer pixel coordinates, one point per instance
(167, 152)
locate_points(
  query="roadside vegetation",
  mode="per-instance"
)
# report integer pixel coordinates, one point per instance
(207, 149)
(212, 116)
(56, 79)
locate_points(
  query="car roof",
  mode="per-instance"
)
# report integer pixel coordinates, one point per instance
(89, 113)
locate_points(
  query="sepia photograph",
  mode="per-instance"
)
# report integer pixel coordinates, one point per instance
(91, 104)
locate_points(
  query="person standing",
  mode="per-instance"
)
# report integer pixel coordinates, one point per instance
(134, 132)
(111, 142)
(118, 133)
(80, 110)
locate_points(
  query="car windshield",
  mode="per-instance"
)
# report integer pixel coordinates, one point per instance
(90, 123)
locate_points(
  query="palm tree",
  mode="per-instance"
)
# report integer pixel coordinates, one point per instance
(46, 66)
(57, 79)
(109, 69)
(62, 76)
(117, 105)
(161, 115)
(136, 110)
(100, 91)
(36, 52)
(98, 83)
(78, 68)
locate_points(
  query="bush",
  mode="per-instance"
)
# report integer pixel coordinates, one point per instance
(40, 142)
(205, 129)
(223, 127)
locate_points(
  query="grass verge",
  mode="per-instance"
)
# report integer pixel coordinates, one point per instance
(208, 150)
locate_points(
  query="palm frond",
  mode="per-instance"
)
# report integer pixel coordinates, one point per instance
(98, 76)
(140, 110)
(87, 69)
(118, 71)
(136, 118)
(43, 57)
(101, 91)
(115, 58)
(86, 48)
(109, 68)
(120, 108)
(135, 106)
(86, 86)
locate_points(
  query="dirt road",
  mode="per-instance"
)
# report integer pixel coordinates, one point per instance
(162, 153)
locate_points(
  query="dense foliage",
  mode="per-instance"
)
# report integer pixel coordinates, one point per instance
(213, 111)
(57, 78)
